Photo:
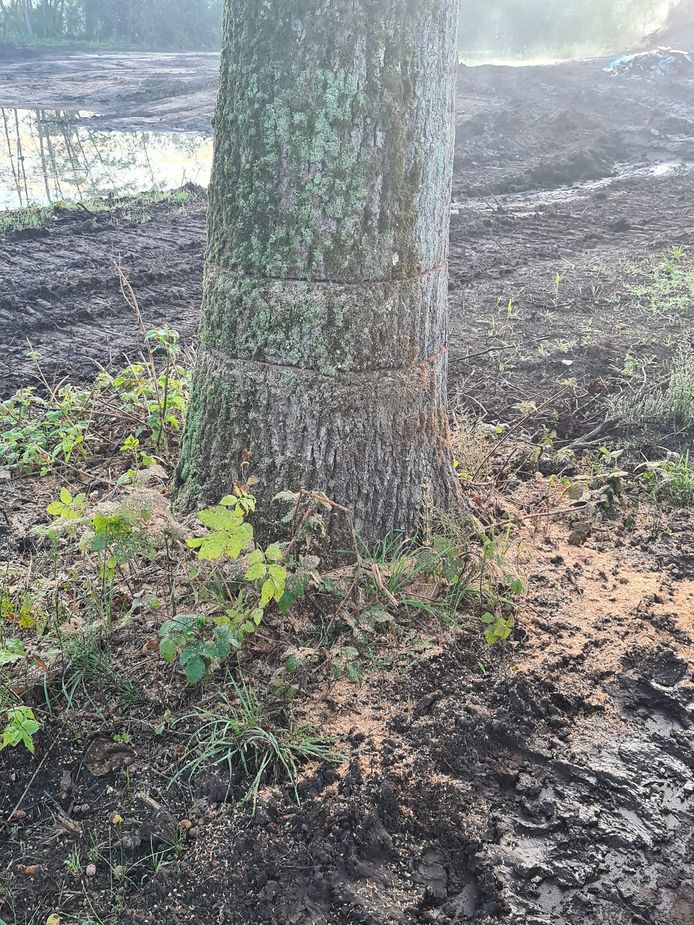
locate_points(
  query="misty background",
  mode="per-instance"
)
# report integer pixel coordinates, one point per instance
(490, 30)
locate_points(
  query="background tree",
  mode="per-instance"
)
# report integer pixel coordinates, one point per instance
(322, 349)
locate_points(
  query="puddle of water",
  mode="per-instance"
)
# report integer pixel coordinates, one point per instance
(52, 155)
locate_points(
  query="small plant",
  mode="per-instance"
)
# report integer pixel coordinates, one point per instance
(346, 664)
(12, 650)
(20, 728)
(73, 862)
(36, 432)
(161, 395)
(66, 506)
(497, 628)
(200, 643)
(499, 623)
(140, 459)
(116, 537)
(245, 741)
(670, 480)
(186, 637)
(228, 533)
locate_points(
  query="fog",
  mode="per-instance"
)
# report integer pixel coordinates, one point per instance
(538, 30)
(489, 29)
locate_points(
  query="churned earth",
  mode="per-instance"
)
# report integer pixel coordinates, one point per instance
(548, 780)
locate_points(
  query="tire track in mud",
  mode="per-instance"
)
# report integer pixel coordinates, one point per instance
(61, 292)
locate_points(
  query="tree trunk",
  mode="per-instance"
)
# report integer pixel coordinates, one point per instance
(322, 349)
(26, 13)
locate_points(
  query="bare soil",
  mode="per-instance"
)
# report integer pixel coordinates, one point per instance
(548, 780)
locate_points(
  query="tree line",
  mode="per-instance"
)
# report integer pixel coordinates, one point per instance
(145, 23)
(516, 28)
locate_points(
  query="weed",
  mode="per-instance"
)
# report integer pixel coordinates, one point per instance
(254, 751)
(186, 636)
(670, 405)
(669, 287)
(73, 862)
(117, 537)
(36, 432)
(88, 663)
(38, 216)
(199, 642)
(20, 728)
(670, 480)
(160, 396)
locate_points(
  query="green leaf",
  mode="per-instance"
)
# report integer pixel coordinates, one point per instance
(194, 667)
(168, 648)
(219, 518)
(12, 651)
(291, 594)
(256, 556)
(279, 574)
(255, 572)
(21, 727)
(516, 586)
(267, 592)
(222, 642)
(65, 496)
(213, 546)
(273, 553)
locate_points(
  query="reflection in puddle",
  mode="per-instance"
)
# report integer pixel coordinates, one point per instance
(52, 155)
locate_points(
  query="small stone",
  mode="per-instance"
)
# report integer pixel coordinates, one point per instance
(186, 824)
(119, 872)
(90, 870)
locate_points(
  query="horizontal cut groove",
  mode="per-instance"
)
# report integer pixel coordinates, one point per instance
(385, 281)
(225, 358)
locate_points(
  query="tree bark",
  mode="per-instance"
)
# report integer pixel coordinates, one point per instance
(322, 347)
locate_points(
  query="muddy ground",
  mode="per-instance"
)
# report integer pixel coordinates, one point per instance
(546, 781)
(125, 90)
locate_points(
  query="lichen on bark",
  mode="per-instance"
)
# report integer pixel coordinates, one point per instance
(322, 350)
